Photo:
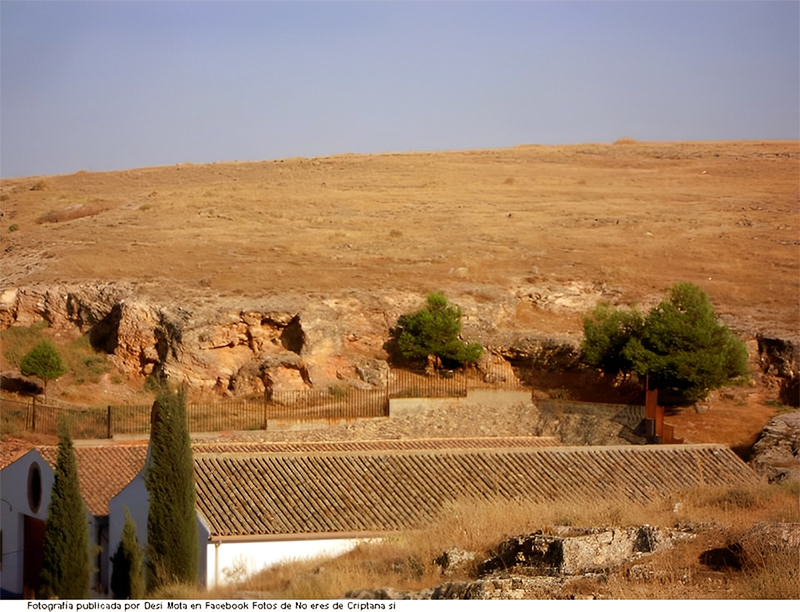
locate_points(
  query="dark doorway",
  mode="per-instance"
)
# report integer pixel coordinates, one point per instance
(33, 555)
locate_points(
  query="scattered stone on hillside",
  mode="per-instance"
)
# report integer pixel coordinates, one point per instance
(380, 593)
(768, 538)
(775, 454)
(594, 551)
(761, 541)
(494, 588)
(455, 560)
(15, 382)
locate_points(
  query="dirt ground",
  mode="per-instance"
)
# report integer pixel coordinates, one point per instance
(631, 218)
(634, 218)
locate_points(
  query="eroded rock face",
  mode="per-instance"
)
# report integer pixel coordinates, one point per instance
(775, 454)
(291, 342)
(212, 349)
(539, 566)
(781, 357)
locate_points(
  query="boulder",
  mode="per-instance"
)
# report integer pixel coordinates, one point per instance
(455, 560)
(593, 551)
(14, 382)
(775, 453)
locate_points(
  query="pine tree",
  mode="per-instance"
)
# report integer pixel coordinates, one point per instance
(172, 544)
(680, 346)
(434, 330)
(127, 580)
(66, 568)
(44, 362)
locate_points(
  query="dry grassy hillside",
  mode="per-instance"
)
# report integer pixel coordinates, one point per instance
(631, 217)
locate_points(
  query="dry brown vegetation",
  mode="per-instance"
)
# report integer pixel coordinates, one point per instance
(719, 517)
(625, 220)
(634, 219)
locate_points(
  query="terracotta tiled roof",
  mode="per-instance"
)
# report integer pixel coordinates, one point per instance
(361, 446)
(103, 470)
(274, 494)
(12, 449)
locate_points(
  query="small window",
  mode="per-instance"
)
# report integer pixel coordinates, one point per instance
(34, 487)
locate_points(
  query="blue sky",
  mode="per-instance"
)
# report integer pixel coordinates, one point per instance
(112, 85)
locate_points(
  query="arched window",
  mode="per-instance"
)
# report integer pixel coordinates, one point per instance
(34, 487)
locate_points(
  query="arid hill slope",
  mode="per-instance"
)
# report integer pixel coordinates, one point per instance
(554, 228)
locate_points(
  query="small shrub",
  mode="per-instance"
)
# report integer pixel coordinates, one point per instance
(338, 391)
(13, 227)
(44, 362)
(560, 394)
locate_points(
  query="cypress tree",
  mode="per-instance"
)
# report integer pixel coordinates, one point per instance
(66, 568)
(127, 581)
(172, 545)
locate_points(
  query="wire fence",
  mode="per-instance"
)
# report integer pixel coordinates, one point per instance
(337, 403)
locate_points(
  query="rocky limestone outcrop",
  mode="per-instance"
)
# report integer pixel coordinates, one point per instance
(214, 348)
(780, 357)
(227, 346)
(541, 565)
(579, 552)
(775, 453)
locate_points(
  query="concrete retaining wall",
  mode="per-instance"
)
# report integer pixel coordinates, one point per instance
(498, 398)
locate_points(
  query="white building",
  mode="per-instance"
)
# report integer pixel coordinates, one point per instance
(25, 486)
(262, 504)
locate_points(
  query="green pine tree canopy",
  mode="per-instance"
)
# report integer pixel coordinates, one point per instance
(679, 345)
(66, 568)
(434, 330)
(44, 362)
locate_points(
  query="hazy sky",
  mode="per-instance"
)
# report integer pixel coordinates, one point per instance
(113, 85)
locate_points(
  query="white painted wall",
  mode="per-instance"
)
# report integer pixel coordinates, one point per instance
(14, 505)
(230, 561)
(137, 499)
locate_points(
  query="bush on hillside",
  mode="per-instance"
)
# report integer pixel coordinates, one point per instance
(434, 330)
(44, 362)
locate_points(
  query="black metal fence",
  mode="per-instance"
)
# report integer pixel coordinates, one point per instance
(337, 403)
(90, 422)
(444, 383)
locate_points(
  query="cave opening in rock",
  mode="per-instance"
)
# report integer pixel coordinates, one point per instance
(293, 338)
(104, 335)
